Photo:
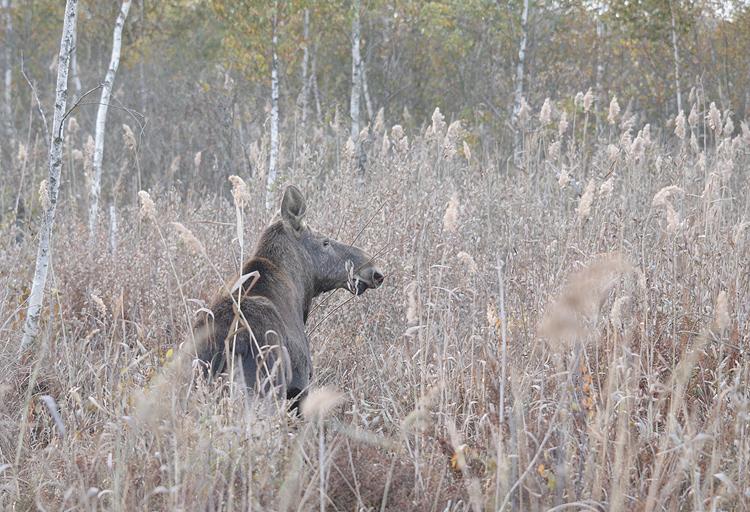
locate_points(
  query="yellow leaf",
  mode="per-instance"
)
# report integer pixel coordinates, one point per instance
(541, 469)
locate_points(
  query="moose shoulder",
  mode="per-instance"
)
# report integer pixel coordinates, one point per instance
(266, 333)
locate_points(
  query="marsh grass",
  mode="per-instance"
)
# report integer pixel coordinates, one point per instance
(603, 368)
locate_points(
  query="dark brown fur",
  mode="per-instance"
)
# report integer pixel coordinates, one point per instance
(294, 265)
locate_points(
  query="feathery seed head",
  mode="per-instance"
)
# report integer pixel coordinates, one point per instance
(148, 208)
(189, 239)
(524, 113)
(588, 100)
(693, 116)
(466, 259)
(614, 110)
(129, 138)
(22, 153)
(605, 190)
(450, 219)
(73, 125)
(554, 150)
(563, 178)
(613, 152)
(101, 308)
(714, 118)
(578, 100)
(661, 198)
(438, 125)
(412, 316)
(581, 298)
(545, 114)
(679, 126)
(320, 402)
(240, 191)
(586, 201)
(728, 126)
(721, 313)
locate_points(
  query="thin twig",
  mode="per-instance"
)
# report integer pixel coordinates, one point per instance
(36, 98)
(78, 102)
(339, 306)
(372, 258)
(323, 301)
(368, 222)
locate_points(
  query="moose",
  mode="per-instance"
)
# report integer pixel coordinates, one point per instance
(262, 325)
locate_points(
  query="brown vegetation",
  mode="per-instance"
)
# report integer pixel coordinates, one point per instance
(621, 330)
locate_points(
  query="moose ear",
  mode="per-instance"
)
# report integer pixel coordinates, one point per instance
(293, 207)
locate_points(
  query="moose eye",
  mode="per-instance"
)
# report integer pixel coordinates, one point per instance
(326, 243)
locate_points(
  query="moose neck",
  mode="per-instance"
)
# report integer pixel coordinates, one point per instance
(285, 276)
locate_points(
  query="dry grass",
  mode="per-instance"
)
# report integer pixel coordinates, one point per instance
(625, 317)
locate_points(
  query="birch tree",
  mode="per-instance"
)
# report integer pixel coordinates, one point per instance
(31, 325)
(7, 110)
(101, 117)
(518, 95)
(356, 72)
(676, 53)
(274, 150)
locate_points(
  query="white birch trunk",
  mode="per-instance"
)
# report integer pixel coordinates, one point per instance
(518, 96)
(31, 326)
(676, 51)
(356, 73)
(274, 156)
(8, 72)
(305, 66)
(101, 117)
(74, 67)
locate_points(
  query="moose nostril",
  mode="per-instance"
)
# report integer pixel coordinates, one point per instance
(377, 277)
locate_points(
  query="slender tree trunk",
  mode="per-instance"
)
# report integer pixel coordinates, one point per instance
(366, 92)
(599, 76)
(31, 326)
(314, 86)
(141, 68)
(74, 67)
(305, 66)
(274, 156)
(7, 109)
(356, 72)
(676, 51)
(101, 117)
(518, 96)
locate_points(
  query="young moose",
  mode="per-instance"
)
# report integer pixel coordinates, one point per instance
(294, 264)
